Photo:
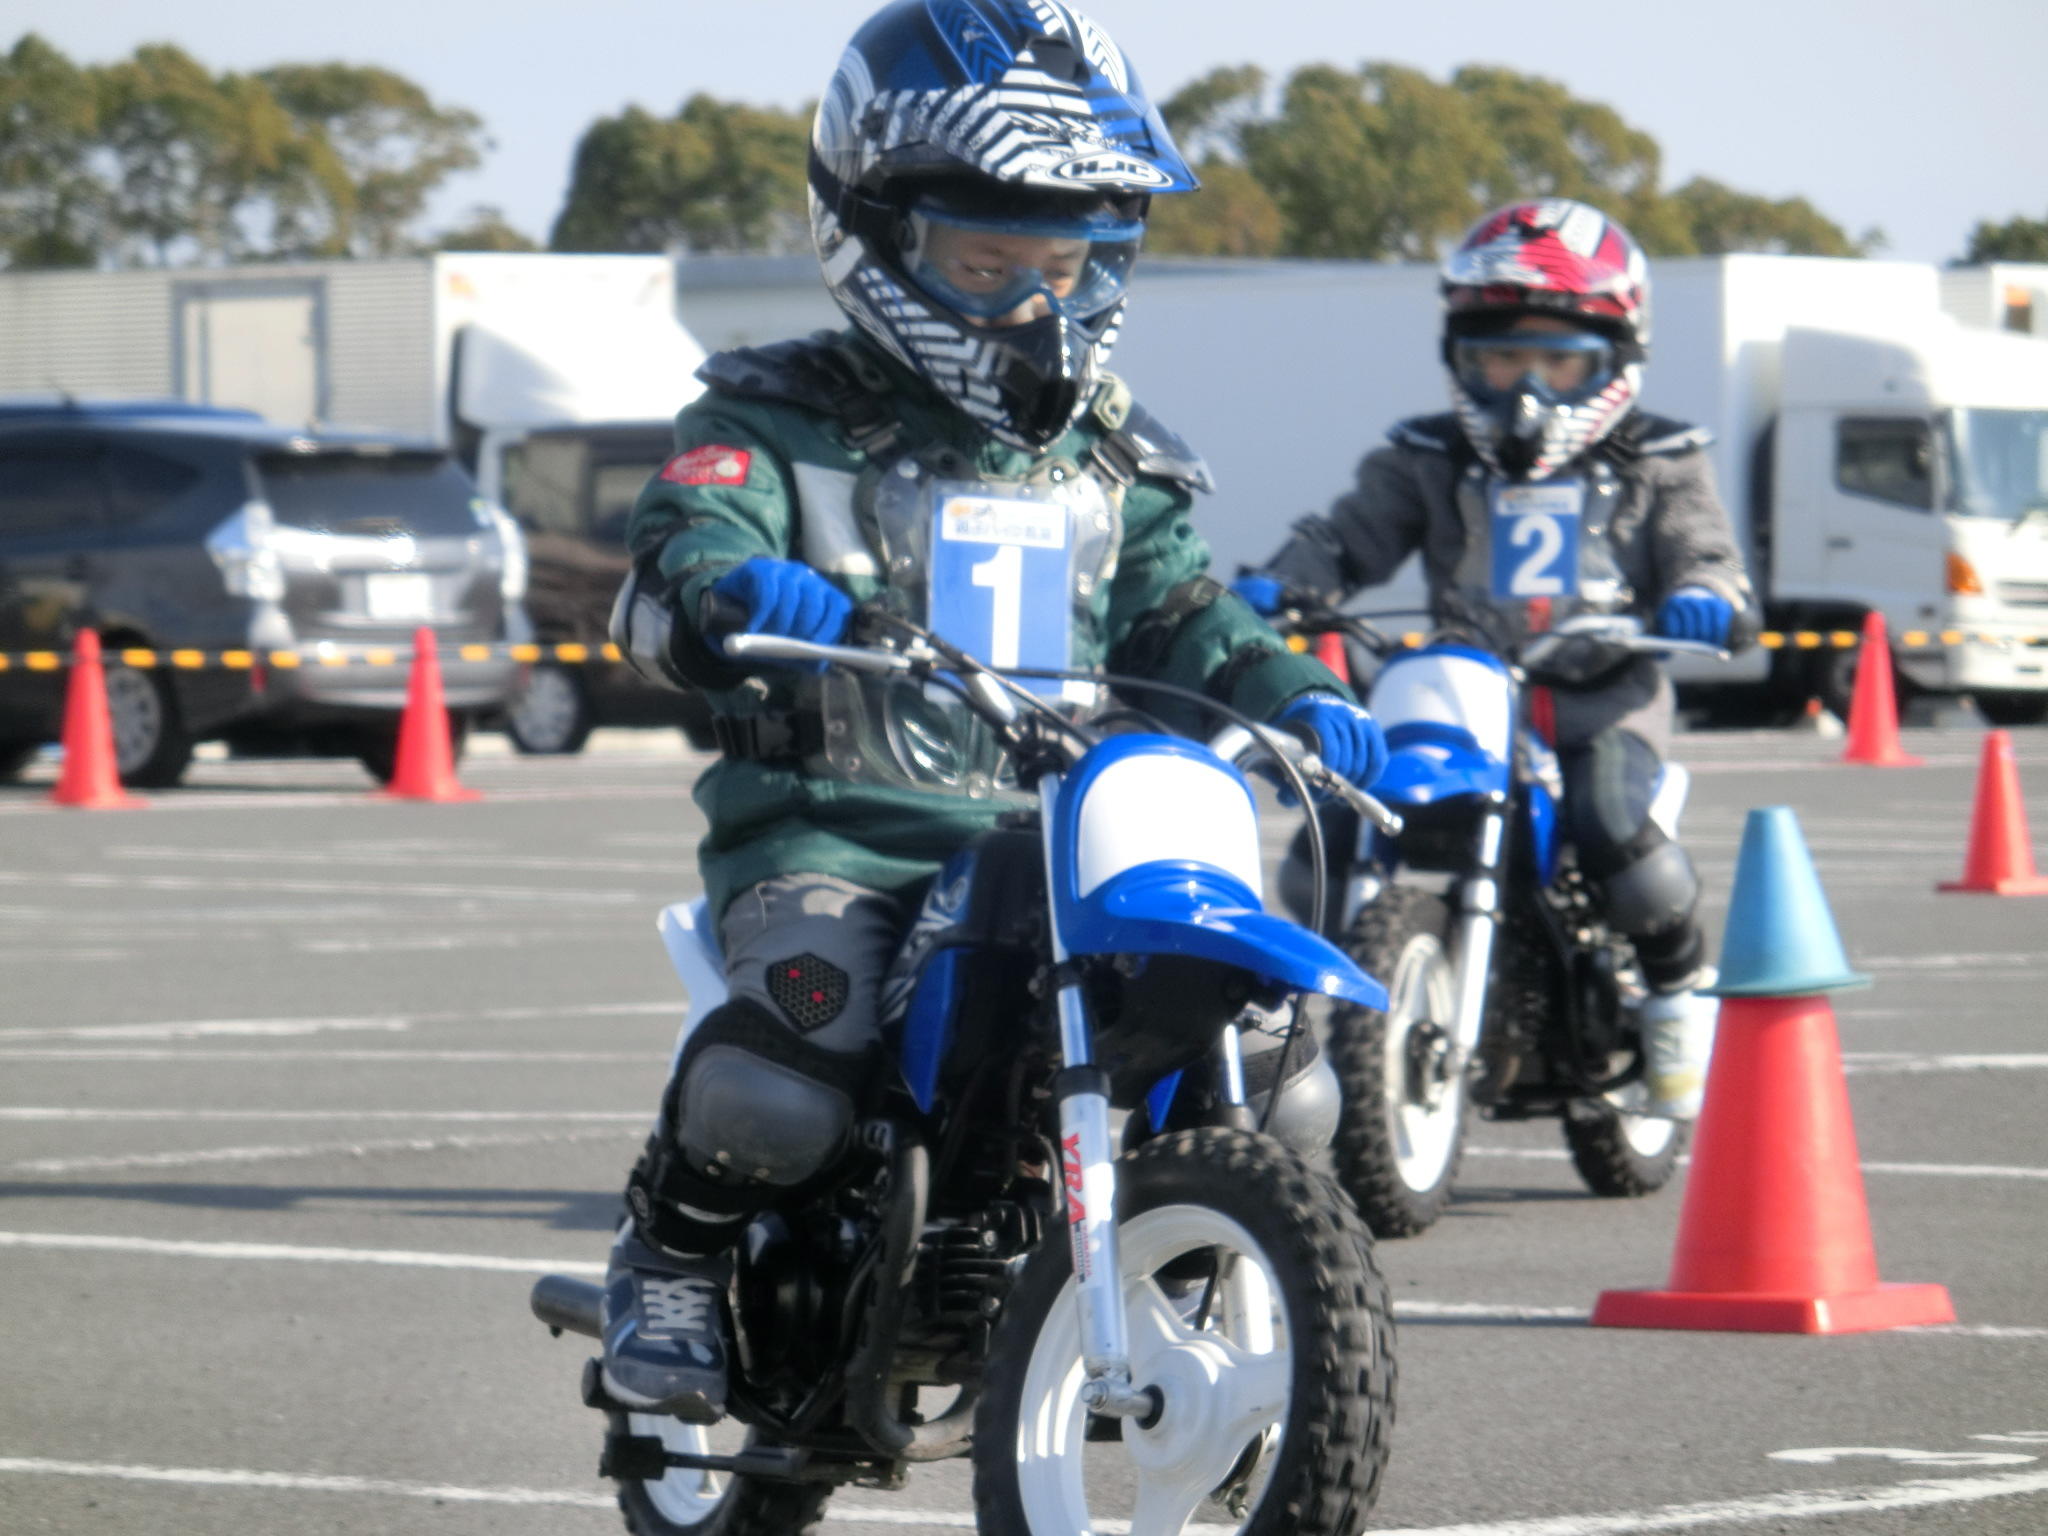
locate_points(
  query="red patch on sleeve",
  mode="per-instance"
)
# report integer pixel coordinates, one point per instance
(713, 464)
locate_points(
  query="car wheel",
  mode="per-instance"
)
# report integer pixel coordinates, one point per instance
(15, 756)
(2014, 708)
(551, 717)
(151, 746)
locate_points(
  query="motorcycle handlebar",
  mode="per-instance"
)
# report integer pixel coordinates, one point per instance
(1236, 741)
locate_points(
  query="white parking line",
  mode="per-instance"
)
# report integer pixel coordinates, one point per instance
(200, 1029)
(1888, 1063)
(394, 1257)
(330, 856)
(1937, 1170)
(205, 1055)
(316, 1023)
(33, 1112)
(1807, 1504)
(558, 895)
(405, 1258)
(287, 1152)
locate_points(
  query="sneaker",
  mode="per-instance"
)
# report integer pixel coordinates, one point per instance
(1678, 1040)
(664, 1332)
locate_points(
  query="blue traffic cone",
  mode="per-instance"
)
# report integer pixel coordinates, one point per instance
(1781, 939)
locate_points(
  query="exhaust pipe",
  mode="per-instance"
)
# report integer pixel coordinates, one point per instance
(567, 1305)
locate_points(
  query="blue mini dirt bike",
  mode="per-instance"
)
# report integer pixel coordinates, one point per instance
(1511, 996)
(1191, 1329)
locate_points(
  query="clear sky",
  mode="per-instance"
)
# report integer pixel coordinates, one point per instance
(1918, 117)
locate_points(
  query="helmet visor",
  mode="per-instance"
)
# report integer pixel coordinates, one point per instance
(1560, 368)
(998, 269)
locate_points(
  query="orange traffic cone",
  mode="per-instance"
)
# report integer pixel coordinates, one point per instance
(89, 779)
(2001, 860)
(425, 766)
(1774, 1234)
(1874, 706)
(1330, 652)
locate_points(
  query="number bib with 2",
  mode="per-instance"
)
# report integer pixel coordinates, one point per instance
(1536, 538)
(1001, 587)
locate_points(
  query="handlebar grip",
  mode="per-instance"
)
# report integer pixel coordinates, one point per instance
(719, 615)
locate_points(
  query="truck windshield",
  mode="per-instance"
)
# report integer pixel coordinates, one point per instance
(369, 493)
(2001, 463)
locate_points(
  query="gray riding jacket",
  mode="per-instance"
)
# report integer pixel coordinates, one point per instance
(1652, 523)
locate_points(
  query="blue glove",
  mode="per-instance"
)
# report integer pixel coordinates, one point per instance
(1347, 738)
(785, 597)
(1264, 593)
(1696, 613)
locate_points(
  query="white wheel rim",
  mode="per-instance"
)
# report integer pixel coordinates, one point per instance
(1223, 1387)
(1646, 1135)
(1425, 1136)
(686, 1495)
(137, 716)
(548, 708)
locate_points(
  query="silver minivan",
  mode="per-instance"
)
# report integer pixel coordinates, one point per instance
(171, 527)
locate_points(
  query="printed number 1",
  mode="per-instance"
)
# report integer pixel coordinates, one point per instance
(1003, 573)
(1533, 577)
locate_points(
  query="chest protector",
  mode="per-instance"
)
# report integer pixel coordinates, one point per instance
(1015, 572)
(1535, 552)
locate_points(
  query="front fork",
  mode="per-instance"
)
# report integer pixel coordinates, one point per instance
(1088, 1177)
(1478, 919)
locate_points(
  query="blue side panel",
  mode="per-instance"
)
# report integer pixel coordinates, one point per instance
(1543, 832)
(1160, 1101)
(928, 1027)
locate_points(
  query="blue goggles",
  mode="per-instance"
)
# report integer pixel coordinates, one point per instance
(1553, 365)
(992, 266)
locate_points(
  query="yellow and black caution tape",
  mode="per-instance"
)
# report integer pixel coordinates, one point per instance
(573, 654)
(1806, 639)
(319, 656)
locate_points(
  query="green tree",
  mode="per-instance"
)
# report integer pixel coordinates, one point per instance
(52, 207)
(2018, 239)
(718, 176)
(1385, 163)
(1717, 219)
(485, 230)
(376, 148)
(167, 126)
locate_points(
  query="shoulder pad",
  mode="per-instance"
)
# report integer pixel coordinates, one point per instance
(1161, 451)
(1660, 435)
(808, 372)
(1432, 434)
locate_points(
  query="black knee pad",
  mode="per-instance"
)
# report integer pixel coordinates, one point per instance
(1654, 892)
(753, 1111)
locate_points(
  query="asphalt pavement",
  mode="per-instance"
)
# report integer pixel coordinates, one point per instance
(300, 1088)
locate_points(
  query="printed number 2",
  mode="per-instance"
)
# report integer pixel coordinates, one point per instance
(1003, 573)
(1533, 577)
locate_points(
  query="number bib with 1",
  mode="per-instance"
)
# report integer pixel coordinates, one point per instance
(1001, 581)
(1536, 538)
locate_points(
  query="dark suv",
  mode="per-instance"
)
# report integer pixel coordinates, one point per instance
(171, 526)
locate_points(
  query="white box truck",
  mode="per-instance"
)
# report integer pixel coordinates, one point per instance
(554, 379)
(1875, 451)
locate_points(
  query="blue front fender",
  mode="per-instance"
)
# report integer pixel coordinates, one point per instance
(1197, 910)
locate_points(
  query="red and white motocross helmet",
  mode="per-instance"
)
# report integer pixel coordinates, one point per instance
(1558, 260)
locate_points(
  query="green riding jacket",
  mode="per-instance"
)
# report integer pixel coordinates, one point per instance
(733, 492)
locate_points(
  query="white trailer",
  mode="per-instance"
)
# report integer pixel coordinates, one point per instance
(470, 350)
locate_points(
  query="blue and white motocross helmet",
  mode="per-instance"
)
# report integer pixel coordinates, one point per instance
(980, 172)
